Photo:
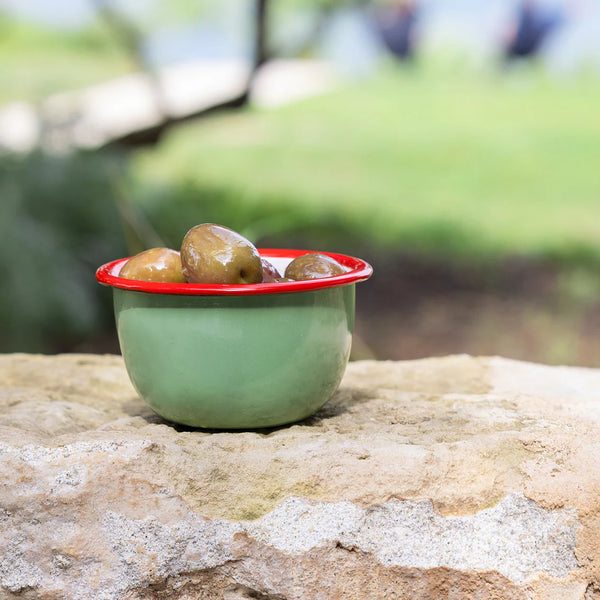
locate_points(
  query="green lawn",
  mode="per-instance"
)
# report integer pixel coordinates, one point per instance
(491, 165)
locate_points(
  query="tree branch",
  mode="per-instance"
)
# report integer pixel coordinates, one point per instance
(260, 55)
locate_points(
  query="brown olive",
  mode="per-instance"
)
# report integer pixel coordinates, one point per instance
(270, 273)
(313, 266)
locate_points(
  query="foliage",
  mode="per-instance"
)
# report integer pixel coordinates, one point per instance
(57, 225)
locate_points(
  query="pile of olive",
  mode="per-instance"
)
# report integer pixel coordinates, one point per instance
(216, 254)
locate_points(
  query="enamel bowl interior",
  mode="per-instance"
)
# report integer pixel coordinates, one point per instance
(236, 356)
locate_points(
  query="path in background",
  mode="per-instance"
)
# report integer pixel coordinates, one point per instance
(94, 116)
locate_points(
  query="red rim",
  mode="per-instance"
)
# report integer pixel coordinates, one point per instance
(360, 270)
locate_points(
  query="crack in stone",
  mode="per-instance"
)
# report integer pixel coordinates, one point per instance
(242, 592)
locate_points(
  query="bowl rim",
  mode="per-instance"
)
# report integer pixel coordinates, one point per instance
(359, 270)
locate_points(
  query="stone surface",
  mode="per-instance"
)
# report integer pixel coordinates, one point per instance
(453, 477)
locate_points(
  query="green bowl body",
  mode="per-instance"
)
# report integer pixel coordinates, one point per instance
(236, 356)
(236, 362)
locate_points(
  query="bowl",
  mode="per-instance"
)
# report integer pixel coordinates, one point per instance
(241, 356)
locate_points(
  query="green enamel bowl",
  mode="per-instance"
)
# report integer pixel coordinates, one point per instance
(236, 356)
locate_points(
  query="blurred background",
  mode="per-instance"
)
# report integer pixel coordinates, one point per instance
(454, 144)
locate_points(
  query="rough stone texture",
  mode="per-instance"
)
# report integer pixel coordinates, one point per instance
(453, 478)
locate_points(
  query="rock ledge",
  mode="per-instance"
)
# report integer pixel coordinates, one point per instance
(440, 478)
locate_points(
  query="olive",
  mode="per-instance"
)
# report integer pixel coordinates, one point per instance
(313, 266)
(155, 264)
(270, 273)
(216, 254)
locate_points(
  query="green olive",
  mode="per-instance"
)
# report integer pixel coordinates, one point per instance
(215, 254)
(155, 264)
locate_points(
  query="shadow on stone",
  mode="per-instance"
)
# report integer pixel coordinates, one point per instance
(241, 592)
(342, 402)
(135, 407)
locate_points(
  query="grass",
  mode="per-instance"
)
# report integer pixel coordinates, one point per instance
(487, 166)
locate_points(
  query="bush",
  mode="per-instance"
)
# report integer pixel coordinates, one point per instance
(58, 223)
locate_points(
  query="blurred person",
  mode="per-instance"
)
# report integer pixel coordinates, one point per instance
(533, 25)
(396, 28)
